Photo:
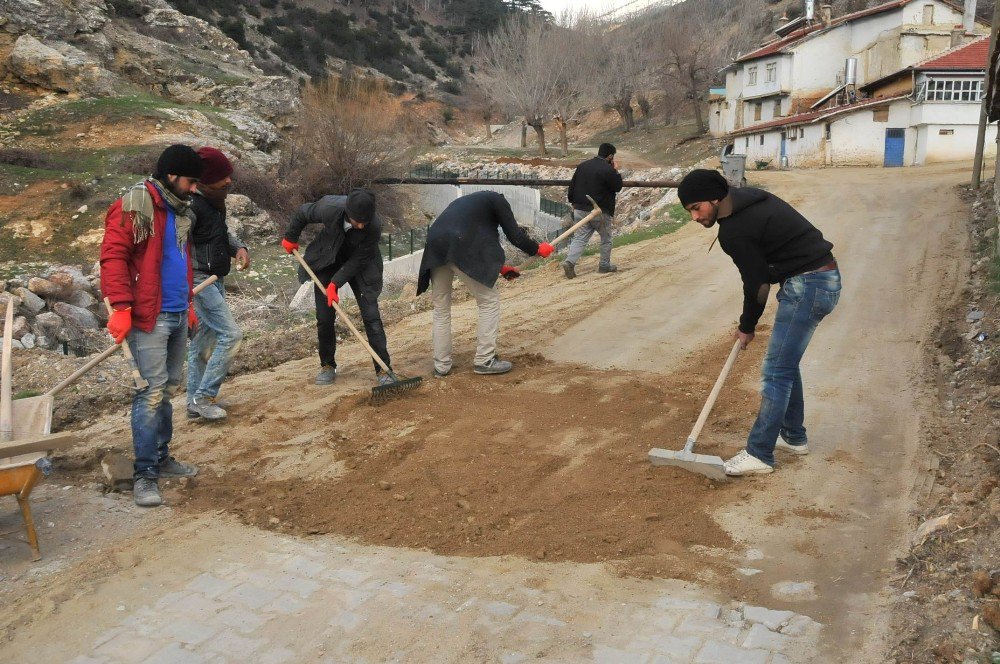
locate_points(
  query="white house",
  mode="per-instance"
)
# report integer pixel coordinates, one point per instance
(803, 68)
(927, 112)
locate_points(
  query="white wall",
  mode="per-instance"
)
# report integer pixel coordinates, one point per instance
(856, 139)
(959, 146)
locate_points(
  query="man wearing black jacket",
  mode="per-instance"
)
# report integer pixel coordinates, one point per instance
(346, 251)
(218, 337)
(770, 243)
(598, 178)
(464, 242)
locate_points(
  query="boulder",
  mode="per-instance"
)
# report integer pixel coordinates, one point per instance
(59, 66)
(82, 299)
(276, 98)
(76, 317)
(29, 301)
(28, 340)
(53, 20)
(21, 327)
(247, 221)
(80, 281)
(59, 287)
(261, 133)
(15, 301)
(47, 325)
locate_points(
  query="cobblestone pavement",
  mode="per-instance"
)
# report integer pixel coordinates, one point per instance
(250, 596)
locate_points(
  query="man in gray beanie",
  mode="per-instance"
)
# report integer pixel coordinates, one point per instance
(345, 251)
(770, 243)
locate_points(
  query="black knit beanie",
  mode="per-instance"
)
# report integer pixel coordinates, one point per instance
(700, 185)
(180, 160)
(361, 205)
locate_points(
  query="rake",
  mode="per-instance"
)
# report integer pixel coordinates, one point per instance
(379, 392)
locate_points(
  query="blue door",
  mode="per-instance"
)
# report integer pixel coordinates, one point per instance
(784, 145)
(895, 141)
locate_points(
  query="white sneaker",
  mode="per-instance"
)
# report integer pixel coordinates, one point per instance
(782, 444)
(746, 464)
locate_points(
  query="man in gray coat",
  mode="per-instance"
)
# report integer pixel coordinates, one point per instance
(464, 241)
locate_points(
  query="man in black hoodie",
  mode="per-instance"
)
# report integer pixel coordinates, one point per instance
(770, 243)
(345, 251)
(464, 242)
(218, 338)
(598, 178)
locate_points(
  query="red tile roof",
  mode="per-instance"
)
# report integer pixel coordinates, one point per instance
(813, 116)
(973, 55)
(780, 44)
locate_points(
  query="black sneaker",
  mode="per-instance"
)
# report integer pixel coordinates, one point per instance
(174, 468)
(569, 270)
(326, 375)
(146, 493)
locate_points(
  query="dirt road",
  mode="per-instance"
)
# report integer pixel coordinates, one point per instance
(545, 467)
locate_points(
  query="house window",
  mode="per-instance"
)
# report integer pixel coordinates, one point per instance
(777, 109)
(928, 14)
(946, 132)
(826, 131)
(802, 132)
(752, 75)
(762, 139)
(880, 115)
(944, 89)
(746, 142)
(772, 72)
(756, 111)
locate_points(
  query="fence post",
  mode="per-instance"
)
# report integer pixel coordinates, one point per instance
(390, 246)
(411, 240)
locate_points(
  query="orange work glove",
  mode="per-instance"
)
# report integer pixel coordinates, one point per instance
(192, 318)
(509, 273)
(289, 246)
(545, 249)
(331, 295)
(119, 324)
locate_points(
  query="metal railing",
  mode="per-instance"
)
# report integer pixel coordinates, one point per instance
(402, 241)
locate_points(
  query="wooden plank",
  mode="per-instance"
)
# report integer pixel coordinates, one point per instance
(32, 418)
(52, 441)
(6, 372)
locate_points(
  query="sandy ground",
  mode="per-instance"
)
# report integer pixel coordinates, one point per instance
(547, 464)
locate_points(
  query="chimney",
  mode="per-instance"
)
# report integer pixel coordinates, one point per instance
(957, 35)
(969, 17)
(826, 13)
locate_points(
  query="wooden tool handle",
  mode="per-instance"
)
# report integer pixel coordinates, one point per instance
(111, 350)
(578, 225)
(714, 394)
(6, 375)
(340, 312)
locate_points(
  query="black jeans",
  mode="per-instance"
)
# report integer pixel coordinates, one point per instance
(370, 315)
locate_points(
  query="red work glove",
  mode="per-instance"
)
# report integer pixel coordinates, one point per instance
(120, 323)
(289, 246)
(192, 318)
(331, 295)
(509, 273)
(545, 249)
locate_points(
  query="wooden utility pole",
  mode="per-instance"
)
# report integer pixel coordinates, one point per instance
(989, 83)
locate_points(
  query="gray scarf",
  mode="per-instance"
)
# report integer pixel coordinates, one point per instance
(137, 203)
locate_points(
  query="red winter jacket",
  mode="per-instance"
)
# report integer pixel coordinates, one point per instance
(130, 272)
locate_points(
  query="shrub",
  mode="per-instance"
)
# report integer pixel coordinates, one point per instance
(761, 164)
(447, 113)
(451, 87)
(434, 52)
(26, 158)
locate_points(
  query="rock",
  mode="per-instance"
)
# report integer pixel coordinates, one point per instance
(118, 471)
(76, 316)
(930, 526)
(29, 301)
(991, 615)
(53, 20)
(982, 583)
(21, 327)
(261, 133)
(275, 98)
(464, 504)
(47, 326)
(82, 299)
(385, 486)
(59, 289)
(398, 496)
(59, 66)
(794, 591)
(303, 299)
(247, 221)
(28, 340)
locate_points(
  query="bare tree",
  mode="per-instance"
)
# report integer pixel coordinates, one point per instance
(571, 55)
(620, 72)
(515, 73)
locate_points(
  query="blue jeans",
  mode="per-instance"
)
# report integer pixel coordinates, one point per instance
(803, 301)
(602, 225)
(215, 344)
(160, 357)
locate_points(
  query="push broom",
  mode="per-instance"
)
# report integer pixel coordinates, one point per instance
(704, 464)
(379, 392)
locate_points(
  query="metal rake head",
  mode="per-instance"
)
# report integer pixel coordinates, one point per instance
(398, 386)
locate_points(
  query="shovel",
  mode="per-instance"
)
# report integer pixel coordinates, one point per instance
(379, 392)
(705, 464)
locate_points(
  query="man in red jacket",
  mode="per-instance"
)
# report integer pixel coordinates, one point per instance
(146, 274)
